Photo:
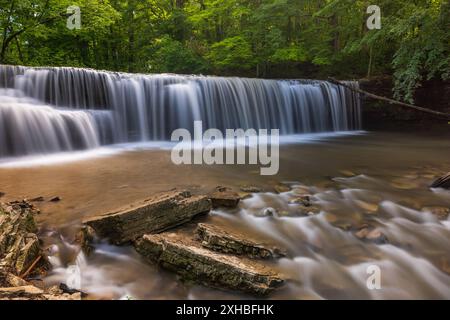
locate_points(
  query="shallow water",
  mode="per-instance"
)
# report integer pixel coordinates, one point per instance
(373, 178)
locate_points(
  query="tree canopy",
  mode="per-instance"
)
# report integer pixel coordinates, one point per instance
(302, 38)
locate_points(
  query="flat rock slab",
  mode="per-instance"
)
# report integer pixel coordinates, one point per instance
(227, 241)
(183, 255)
(159, 213)
(224, 197)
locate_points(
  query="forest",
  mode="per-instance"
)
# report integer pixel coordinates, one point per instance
(253, 38)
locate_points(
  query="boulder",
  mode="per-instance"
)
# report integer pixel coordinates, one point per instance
(183, 255)
(159, 213)
(226, 241)
(224, 197)
(20, 249)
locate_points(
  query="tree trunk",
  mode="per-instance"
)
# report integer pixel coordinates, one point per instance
(369, 69)
(130, 13)
(6, 39)
(438, 114)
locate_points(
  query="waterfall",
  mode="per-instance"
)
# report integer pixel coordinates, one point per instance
(45, 110)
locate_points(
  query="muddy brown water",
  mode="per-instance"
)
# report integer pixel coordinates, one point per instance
(379, 179)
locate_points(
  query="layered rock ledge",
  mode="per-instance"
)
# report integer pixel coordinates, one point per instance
(20, 250)
(21, 255)
(227, 241)
(183, 255)
(157, 214)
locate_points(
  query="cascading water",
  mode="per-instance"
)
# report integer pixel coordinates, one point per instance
(45, 110)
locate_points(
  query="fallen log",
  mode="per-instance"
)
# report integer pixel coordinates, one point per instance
(226, 241)
(157, 214)
(441, 115)
(186, 257)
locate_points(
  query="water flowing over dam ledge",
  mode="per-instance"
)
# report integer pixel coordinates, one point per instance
(45, 110)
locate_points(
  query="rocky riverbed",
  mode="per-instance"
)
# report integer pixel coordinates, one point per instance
(301, 238)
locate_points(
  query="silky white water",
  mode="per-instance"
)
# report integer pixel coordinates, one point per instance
(44, 110)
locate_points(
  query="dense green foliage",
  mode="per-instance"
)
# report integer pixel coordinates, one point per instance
(259, 38)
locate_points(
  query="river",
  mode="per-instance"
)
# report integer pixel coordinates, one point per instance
(354, 178)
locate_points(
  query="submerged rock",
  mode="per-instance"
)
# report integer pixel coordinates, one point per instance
(441, 213)
(308, 210)
(442, 182)
(244, 195)
(159, 213)
(224, 197)
(304, 200)
(404, 184)
(305, 206)
(20, 249)
(251, 189)
(189, 259)
(281, 188)
(371, 235)
(347, 173)
(302, 190)
(368, 208)
(226, 241)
